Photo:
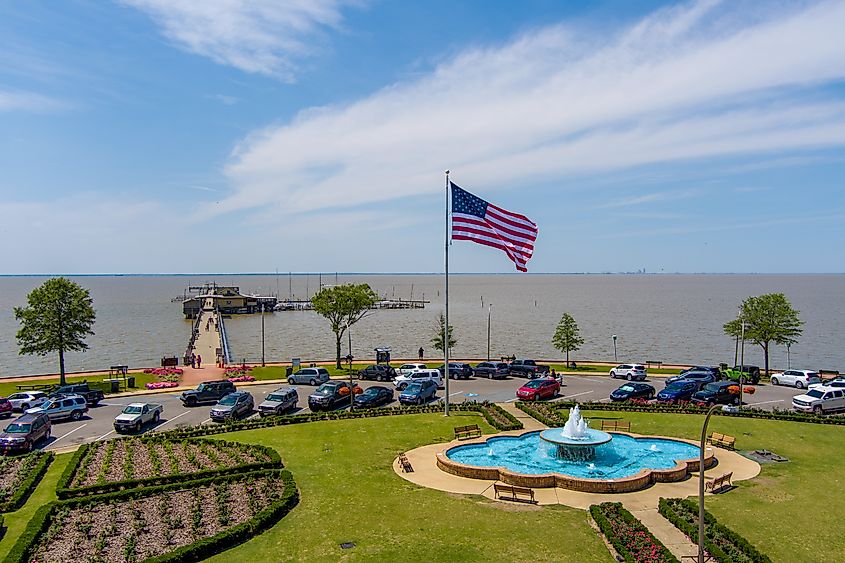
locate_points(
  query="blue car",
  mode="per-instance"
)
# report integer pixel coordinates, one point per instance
(678, 391)
(418, 392)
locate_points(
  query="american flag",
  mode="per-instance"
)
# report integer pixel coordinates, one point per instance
(482, 222)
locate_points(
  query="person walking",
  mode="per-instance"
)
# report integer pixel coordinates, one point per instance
(422, 352)
(199, 361)
(193, 360)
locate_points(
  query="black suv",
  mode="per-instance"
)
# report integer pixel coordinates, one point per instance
(207, 392)
(457, 371)
(329, 395)
(378, 372)
(699, 376)
(91, 396)
(717, 393)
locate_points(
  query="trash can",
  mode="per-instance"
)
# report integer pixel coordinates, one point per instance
(115, 385)
(130, 381)
(288, 371)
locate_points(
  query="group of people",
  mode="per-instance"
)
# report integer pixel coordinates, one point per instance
(196, 361)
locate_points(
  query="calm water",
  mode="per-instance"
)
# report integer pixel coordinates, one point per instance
(622, 457)
(675, 318)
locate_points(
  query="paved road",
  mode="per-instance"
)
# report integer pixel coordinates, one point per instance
(97, 425)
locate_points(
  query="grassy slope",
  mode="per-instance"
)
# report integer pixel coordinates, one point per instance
(350, 493)
(780, 509)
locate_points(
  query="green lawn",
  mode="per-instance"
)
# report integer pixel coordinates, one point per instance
(7, 388)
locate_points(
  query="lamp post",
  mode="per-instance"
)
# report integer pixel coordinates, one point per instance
(489, 314)
(701, 484)
(615, 358)
(262, 334)
(788, 362)
(742, 363)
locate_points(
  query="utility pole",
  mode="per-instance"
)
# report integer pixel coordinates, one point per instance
(615, 358)
(489, 313)
(262, 334)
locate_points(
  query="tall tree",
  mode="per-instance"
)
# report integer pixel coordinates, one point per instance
(57, 318)
(768, 318)
(567, 337)
(344, 305)
(440, 330)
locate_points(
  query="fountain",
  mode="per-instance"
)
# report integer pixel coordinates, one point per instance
(576, 441)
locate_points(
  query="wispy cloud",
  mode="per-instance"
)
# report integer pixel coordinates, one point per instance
(29, 102)
(258, 36)
(697, 81)
(224, 99)
(655, 197)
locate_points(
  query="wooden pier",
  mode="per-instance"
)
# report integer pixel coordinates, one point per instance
(208, 338)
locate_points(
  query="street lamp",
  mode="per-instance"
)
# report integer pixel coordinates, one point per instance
(489, 313)
(701, 484)
(742, 363)
(262, 334)
(615, 359)
(788, 362)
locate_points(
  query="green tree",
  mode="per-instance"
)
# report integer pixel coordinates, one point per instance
(440, 330)
(344, 305)
(567, 336)
(57, 318)
(768, 318)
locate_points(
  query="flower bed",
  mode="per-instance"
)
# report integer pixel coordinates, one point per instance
(628, 536)
(19, 476)
(164, 371)
(176, 522)
(725, 545)
(131, 462)
(241, 378)
(161, 385)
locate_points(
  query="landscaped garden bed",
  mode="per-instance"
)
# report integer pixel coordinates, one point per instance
(18, 477)
(176, 522)
(628, 536)
(130, 462)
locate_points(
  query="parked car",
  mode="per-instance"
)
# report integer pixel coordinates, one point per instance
(402, 381)
(27, 399)
(377, 372)
(279, 401)
(700, 377)
(491, 370)
(418, 392)
(92, 396)
(678, 391)
(207, 392)
(232, 406)
(406, 369)
(838, 382)
(528, 368)
(331, 394)
(744, 374)
(820, 400)
(23, 433)
(631, 391)
(60, 408)
(798, 378)
(311, 376)
(631, 372)
(717, 393)
(5, 407)
(135, 415)
(717, 372)
(456, 370)
(374, 396)
(536, 389)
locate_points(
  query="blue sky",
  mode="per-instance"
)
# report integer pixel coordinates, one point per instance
(179, 136)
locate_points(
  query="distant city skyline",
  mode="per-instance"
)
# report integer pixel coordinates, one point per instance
(152, 136)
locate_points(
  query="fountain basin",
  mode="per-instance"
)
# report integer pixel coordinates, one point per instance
(619, 475)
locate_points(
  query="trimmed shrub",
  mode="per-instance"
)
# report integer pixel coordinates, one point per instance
(628, 536)
(35, 466)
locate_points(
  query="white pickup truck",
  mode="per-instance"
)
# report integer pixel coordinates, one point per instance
(136, 415)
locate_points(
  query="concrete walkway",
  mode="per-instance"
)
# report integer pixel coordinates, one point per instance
(676, 541)
(528, 422)
(206, 345)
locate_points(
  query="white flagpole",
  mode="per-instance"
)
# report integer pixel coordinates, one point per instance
(446, 326)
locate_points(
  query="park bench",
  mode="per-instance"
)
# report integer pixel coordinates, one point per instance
(719, 482)
(655, 363)
(516, 494)
(405, 464)
(722, 440)
(470, 431)
(619, 425)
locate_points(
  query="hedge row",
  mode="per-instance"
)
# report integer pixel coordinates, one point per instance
(201, 549)
(271, 421)
(64, 490)
(638, 543)
(725, 545)
(27, 485)
(543, 412)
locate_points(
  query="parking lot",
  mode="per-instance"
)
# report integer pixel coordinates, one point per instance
(97, 424)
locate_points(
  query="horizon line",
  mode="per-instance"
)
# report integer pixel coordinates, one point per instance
(317, 273)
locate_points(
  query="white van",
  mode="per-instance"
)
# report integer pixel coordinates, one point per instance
(402, 381)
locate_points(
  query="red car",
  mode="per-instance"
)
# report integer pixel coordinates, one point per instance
(5, 407)
(538, 389)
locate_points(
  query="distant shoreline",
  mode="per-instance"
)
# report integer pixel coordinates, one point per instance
(165, 275)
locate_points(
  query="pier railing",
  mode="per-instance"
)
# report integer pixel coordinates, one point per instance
(224, 340)
(195, 332)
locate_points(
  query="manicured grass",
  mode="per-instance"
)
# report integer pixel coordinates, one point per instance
(96, 381)
(45, 492)
(350, 493)
(791, 510)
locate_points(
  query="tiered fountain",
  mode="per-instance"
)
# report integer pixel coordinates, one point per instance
(576, 441)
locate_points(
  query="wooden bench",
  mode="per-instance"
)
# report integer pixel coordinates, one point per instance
(511, 492)
(722, 440)
(469, 431)
(719, 482)
(620, 425)
(405, 464)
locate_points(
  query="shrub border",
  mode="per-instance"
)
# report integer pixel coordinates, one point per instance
(597, 511)
(28, 484)
(65, 491)
(195, 551)
(711, 527)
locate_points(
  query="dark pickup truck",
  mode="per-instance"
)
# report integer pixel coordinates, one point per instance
(207, 392)
(331, 394)
(527, 368)
(91, 396)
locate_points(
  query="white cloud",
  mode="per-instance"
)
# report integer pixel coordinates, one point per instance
(28, 101)
(256, 36)
(700, 80)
